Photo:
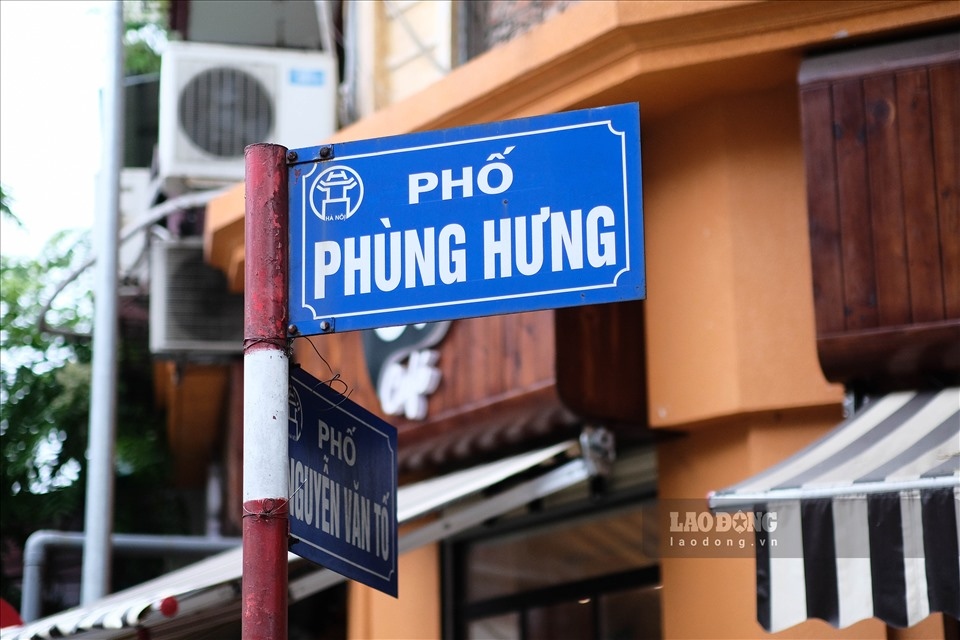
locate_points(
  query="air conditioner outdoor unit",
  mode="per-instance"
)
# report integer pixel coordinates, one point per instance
(217, 99)
(191, 311)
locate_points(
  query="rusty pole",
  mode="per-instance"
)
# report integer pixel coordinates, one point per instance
(265, 388)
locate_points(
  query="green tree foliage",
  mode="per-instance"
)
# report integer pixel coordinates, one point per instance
(44, 401)
(44, 379)
(44, 416)
(5, 208)
(145, 32)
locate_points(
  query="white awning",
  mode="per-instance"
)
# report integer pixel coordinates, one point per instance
(866, 519)
(207, 593)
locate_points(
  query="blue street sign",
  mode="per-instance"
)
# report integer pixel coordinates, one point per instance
(343, 484)
(513, 216)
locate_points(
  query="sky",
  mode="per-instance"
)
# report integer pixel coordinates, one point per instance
(52, 68)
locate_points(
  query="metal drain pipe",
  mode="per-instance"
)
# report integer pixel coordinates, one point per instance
(35, 555)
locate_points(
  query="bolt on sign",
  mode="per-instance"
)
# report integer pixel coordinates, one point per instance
(513, 216)
(343, 484)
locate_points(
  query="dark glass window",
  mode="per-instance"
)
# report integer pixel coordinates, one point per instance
(586, 574)
(486, 23)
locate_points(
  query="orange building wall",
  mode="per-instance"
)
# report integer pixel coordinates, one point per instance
(414, 614)
(730, 301)
(729, 331)
(730, 337)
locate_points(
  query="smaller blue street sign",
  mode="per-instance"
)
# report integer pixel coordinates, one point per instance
(343, 484)
(512, 216)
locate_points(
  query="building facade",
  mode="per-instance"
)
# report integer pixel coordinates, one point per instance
(759, 314)
(802, 229)
(748, 338)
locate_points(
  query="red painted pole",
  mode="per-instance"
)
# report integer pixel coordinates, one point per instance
(265, 402)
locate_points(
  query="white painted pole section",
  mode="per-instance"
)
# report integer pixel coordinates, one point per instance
(265, 402)
(98, 517)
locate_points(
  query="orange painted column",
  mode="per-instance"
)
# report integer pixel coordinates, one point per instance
(415, 613)
(730, 336)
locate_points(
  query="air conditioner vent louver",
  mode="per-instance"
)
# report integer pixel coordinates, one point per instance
(222, 110)
(215, 100)
(191, 311)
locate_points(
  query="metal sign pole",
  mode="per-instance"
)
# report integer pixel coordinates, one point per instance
(265, 395)
(98, 515)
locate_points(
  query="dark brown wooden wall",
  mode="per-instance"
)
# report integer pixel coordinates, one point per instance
(497, 393)
(881, 134)
(601, 364)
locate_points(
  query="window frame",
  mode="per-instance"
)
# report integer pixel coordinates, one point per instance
(457, 612)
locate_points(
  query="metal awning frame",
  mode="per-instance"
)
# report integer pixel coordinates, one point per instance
(748, 500)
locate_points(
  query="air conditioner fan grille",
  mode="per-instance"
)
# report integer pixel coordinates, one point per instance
(199, 307)
(222, 110)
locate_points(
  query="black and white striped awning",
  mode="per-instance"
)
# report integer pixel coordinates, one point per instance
(865, 520)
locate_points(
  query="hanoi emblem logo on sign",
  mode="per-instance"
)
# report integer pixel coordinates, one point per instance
(337, 193)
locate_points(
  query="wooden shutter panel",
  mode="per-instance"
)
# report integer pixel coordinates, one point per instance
(882, 148)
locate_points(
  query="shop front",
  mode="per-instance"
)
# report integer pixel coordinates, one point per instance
(717, 375)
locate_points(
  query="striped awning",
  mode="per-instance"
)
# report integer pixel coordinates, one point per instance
(864, 522)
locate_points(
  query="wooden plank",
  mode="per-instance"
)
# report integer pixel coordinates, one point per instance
(859, 281)
(886, 200)
(517, 341)
(484, 358)
(455, 359)
(601, 370)
(945, 103)
(816, 109)
(897, 217)
(891, 358)
(529, 349)
(919, 191)
(882, 58)
(487, 362)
